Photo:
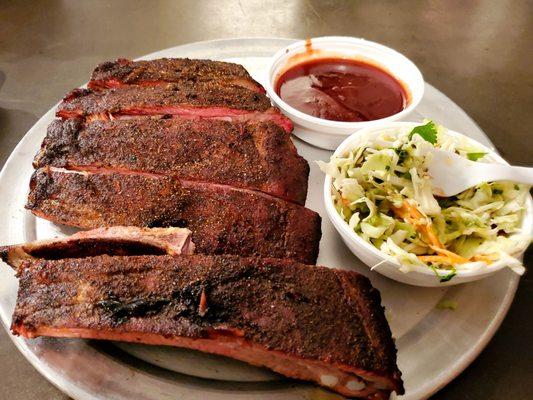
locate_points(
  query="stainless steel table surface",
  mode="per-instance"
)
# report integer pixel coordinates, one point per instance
(480, 53)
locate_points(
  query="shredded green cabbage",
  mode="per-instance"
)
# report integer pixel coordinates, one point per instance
(382, 190)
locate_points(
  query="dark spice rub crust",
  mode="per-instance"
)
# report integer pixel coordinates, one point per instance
(280, 313)
(253, 155)
(83, 102)
(125, 72)
(223, 219)
(209, 100)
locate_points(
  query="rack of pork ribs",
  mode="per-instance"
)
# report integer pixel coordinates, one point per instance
(193, 195)
(177, 142)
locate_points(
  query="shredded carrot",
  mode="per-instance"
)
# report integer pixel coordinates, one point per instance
(345, 202)
(488, 258)
(411, 215)
(456, 257)
(423, 224)
(436, 259)
(441, 259)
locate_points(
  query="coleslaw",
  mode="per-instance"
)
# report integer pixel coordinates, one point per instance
(382, 190)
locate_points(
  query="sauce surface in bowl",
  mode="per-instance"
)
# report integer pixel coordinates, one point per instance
(341, 90)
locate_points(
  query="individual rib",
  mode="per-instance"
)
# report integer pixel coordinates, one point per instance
(201, 100)
(116, 240)
(122, 72)
(253, 155)
(309, 323)
(223, 219)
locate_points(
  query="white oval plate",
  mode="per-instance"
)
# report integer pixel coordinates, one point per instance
(434, 345)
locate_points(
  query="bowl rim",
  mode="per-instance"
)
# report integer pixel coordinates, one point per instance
(416, 97)
(339, 223)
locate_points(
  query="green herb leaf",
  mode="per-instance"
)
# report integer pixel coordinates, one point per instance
(497, 191)
(448, 277)
(445, 202)
(428, 132)
(444, 278)
(475, 156)
(402, 155)
(447, 305)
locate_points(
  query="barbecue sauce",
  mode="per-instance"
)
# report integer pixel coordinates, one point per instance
(341, 90)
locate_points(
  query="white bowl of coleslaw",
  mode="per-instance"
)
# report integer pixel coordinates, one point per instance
(377, 196)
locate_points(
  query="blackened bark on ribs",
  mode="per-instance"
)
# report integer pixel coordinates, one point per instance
(117, 100)
(223, 219)
(252, 155)
(302, 321)
(125, 72)
(201, 100)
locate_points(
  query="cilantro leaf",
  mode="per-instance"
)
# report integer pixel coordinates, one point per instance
(445, 202)
(475, 156)
(402, 155)
(448, 277)
(428, 132)
(443, 278)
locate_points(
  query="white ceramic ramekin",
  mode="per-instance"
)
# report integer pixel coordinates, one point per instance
(371, 256)
(329, 134)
